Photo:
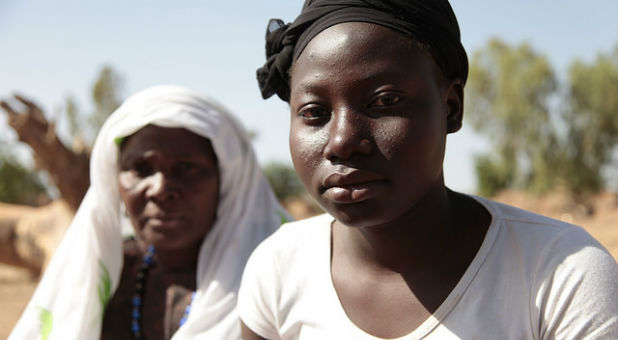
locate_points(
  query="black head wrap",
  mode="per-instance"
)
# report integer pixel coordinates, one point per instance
(430, 22)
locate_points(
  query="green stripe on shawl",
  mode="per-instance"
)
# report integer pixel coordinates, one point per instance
(118, 141)
(282, 216)
(104, 287)
(46, 319)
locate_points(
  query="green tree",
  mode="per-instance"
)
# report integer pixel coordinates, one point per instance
(105, 96)
(537, 146)
(19, 185)
(283, 180)
(507, 99)
(75, 126)
(592, 119)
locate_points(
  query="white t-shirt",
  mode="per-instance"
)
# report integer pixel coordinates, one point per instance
(532, 278)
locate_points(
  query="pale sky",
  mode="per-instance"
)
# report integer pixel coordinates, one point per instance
(53, 49)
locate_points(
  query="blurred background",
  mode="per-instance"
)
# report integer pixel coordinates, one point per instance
(540, 125)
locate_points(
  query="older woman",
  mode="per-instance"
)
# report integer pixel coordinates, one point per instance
(181, 171)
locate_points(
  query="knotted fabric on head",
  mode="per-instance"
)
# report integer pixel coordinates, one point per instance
(70, 300)
(430, 22)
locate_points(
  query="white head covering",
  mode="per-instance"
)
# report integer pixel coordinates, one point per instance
(85, 271)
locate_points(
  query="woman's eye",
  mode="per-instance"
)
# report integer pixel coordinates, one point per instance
(185, 166)
(143, 169)
(192, 169)
(313, 113)
(386, 100)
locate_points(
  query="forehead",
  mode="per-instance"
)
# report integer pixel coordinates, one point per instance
(169, 141)
(356, 51)
(366, 36)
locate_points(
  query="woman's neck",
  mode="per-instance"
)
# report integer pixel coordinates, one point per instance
(423, 232)
(174, 260)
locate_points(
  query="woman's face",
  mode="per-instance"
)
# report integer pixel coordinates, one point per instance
(169, 183)
(369, 119)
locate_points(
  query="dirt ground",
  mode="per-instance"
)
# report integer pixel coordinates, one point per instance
(16, 287)
(599, 218)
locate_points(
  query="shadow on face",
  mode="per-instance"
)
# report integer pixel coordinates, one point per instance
(169, 183)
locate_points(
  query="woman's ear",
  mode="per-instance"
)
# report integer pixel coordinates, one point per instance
(454, 103)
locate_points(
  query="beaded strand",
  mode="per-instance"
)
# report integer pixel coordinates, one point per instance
(187, 310)
(136, 315)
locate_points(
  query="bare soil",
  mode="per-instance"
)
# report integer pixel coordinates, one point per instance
(16, 287)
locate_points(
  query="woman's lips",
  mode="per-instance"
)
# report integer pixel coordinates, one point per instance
(164, 221)
(353, 186)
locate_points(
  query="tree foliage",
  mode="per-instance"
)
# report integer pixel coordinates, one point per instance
(105, 96)
(592, 117)
(283, 180)
(536, 145)
(19, 185)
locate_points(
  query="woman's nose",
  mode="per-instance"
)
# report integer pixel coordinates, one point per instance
(161, 187)
(347, 136)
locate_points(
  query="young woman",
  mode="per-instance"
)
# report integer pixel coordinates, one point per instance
(196, 204)
(374, 88)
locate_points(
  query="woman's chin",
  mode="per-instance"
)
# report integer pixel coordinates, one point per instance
(357, 215)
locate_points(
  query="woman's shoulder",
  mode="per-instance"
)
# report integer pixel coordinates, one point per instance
(132, 256)
(541, 236)
(130, 248)
(305, 230)
(295, 240)
(322, 221)
(295, 254)
(118, 310)
(514, 216)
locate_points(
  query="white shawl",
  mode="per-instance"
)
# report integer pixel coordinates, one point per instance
(85, 270)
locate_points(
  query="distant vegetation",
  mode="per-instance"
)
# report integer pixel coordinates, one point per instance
(284, 181)
(19, 184)
(543, 132)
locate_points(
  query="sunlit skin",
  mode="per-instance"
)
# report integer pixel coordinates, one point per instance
(169, 183)
(370, 112)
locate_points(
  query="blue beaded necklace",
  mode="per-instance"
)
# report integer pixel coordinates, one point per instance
(136, 315)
